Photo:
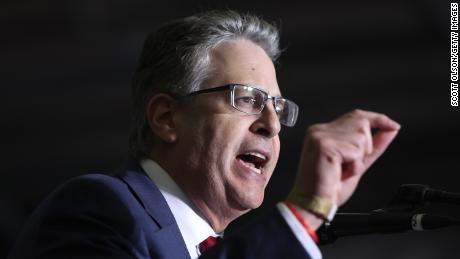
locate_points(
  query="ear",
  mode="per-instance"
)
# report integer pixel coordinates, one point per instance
(160, 113)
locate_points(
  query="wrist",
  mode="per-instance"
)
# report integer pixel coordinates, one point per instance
(320, 207)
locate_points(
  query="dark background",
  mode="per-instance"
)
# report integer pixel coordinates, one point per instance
(65, 77)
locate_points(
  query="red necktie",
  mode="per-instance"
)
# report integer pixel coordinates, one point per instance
(207, 243)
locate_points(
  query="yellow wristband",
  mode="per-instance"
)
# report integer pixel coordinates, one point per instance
(319, 206)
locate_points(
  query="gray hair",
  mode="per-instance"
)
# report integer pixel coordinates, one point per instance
(176, 60)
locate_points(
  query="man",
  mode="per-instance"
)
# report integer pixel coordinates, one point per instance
(207, 113)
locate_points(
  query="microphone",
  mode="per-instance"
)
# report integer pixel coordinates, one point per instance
(379, 221)
(418, 194)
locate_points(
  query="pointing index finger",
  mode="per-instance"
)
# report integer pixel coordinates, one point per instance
(383, 129)
(379, 121)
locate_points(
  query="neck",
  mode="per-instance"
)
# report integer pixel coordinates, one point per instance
(218, 218)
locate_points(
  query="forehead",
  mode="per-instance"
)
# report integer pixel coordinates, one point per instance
(243, 62)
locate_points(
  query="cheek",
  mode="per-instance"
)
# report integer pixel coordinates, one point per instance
(193, 143)
(226, 134)
(223, 136)
(217, 139)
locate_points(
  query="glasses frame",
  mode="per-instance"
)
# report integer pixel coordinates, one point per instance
(267, 97)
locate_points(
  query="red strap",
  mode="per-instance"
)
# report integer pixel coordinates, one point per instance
(307, 227)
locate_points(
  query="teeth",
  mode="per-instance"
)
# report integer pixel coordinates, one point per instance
(252, 167)
(257, 155)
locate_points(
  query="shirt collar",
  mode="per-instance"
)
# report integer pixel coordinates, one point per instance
(193, 227)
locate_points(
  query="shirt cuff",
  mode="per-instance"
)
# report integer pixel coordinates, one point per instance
(299, 232)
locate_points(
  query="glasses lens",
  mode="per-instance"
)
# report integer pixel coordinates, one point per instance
(248, 99)
(287, 111)
(280, 104)
(251, 100)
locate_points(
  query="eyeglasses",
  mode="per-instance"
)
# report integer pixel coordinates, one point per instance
(251, 100)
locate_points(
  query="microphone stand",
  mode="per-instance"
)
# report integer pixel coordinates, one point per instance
(403, 213)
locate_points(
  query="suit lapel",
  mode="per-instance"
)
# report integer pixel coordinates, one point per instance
(156, 206)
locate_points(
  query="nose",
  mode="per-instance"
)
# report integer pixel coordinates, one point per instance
(267, 124)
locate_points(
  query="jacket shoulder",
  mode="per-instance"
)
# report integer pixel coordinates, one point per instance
(92, 213)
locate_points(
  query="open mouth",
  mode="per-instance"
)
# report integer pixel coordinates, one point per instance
(253, 160)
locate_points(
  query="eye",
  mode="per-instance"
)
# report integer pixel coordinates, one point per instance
(279, 105)
(247, 100)
(278, 109)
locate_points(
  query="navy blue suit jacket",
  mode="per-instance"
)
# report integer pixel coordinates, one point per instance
(125, 216)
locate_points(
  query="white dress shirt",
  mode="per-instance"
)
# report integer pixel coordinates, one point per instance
(194, 227)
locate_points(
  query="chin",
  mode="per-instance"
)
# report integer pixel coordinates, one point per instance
(248, 201)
